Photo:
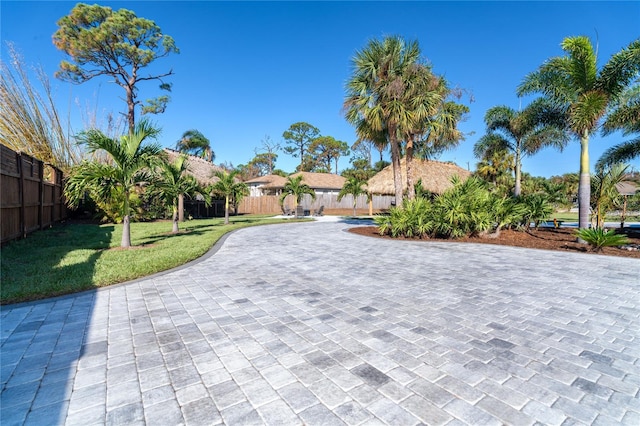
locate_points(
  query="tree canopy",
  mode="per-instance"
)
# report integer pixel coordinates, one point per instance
(100, 41)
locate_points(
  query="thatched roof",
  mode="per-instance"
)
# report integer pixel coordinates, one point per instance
(436, 176)
(314, 180)
(200, 168)
(627, 188)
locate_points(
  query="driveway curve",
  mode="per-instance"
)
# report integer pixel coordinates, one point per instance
(309, 324)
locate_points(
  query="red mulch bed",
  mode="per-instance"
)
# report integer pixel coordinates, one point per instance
(561, 239)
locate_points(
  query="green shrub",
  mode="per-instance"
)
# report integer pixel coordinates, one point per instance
(536, 209)
(598, 238)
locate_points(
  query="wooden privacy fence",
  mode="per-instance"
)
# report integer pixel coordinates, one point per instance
(268, 204)
(31, 195)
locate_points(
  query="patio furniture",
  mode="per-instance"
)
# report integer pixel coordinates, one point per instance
(299, 211)
(319, 212)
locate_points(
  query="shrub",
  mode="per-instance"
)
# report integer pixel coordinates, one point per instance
(598, 238)
(536, 209)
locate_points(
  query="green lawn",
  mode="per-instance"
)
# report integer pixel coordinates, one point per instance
(573, 217)
(75, 257)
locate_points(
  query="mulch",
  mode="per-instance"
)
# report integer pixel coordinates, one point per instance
(561, 239)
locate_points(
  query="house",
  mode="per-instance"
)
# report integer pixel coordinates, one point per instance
(321, 183)
(265, 185)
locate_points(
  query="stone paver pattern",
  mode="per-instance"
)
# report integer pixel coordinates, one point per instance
(308, 324)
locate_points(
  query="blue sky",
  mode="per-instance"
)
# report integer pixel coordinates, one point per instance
(251, 69)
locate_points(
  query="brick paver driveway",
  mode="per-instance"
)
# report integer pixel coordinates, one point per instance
(308, 324)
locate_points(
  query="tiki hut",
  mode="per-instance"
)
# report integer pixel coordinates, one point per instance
(198, 167)
(435, 175)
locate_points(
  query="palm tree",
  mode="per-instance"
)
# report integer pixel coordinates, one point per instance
(496, 167)
(573, 84)
(294, 186)
(172, 182)
(227, 186)
(376, 95)
(521, 133)
(626, 117)
(354, 187)
(129, 168)
(195, 143)
(605, 195)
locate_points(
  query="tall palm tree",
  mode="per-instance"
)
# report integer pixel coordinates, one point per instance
(129, 167)
(375, 101)
(573, 84)
(626, 117)
(227, 186)
(172, 182)
(521, 133)
(294, 186)
(195, 143)
(354, 187)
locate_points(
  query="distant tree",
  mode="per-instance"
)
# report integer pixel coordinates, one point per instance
(295, 187)
(171, 182)
(574, 84)
(522, 133)
(299, 136)
(117, 44)
(496, 168)
(326, 150)
(228, 187)
(130, 165)
(263, 163)
(269, 152)
(361, 170)
(193, 142)
(354, 187)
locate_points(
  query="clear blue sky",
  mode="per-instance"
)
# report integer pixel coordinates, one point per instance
(250, 69)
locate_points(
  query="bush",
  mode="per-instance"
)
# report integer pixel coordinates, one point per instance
(536, 209)
(598, 238)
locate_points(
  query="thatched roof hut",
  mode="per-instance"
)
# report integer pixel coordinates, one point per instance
(627, 188)
(436, 176)
(200, 168)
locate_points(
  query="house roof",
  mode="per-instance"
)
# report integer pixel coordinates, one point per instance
(268, 180)
(198, 167)
(436, 176)
(314, 180)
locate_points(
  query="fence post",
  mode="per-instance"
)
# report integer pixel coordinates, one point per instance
(23, 228)
(41, 195)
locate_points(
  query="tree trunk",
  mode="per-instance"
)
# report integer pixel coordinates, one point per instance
(126, 229)
(226, 210)
(175, 218)
(181, 207)
(395, 161)
(518, 170)
(131, 109)
(354, 206)
(371, 206)
(584, 186)
(411, 190)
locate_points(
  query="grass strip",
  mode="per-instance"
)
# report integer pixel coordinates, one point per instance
(74, 257)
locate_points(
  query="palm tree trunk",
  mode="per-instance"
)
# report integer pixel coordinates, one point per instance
(226, 210)
(395, 161)
(126, 229)
(518, 170)
(181, 207)
(584, 186)
(411, 191)
(354, 206)
(175, 217)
